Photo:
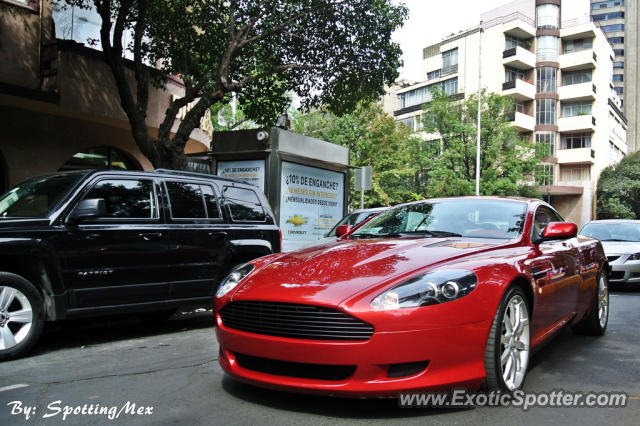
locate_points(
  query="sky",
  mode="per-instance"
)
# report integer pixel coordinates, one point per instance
(430, 21)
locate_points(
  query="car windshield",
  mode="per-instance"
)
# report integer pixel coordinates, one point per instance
(351, 219)
(612, 231)
(37, 197)
(448, 218)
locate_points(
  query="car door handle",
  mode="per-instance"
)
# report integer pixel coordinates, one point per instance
(148, 236)
(218, 234)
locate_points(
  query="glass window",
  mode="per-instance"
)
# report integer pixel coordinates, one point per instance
(450, 58)
(576, 108)
(612, 231)
(618, 52)
(618, 64)
(544, 174)
(619, 90)
(126, 198)
(102, 158)
(577, 45)
(450, 86)
(604, 4)
(409, 122)
(548, 16)
(186, 200)
(547, 49)
(545, 112)
(213, 211)
(618, 77)
(580, 172)
(244, 205)
(545, 144)
(614, 40)
(510, 42)
(38, 196)
(512, 74)
(543, 216)
(424, 94)
(433, 75)
(576, 77)
(546, 82)
(576, 141)
(612, 28)
(467, 218)
(605, 16)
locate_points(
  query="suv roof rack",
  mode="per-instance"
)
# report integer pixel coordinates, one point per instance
(200, 175)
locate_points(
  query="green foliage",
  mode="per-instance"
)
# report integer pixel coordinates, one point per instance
(374, 139)
(618, 192)
(505, 159)
(334, 53)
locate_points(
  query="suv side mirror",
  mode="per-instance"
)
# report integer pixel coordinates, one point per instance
(88, 209)
(559, 231)
(343, 230)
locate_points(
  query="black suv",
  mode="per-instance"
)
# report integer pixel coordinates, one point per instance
(89, 243)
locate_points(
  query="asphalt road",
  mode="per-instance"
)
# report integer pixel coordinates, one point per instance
(170, 372)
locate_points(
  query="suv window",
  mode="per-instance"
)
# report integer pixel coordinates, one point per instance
(126, 198)
(190, 200)
(244, 205)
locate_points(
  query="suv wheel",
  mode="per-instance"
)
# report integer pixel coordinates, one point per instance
(21, 315)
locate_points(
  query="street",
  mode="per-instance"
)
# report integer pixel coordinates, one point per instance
(170, 372)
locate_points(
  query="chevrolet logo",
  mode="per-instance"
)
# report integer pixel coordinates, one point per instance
(297, 220)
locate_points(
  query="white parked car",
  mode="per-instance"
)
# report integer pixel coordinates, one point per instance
(621, 241)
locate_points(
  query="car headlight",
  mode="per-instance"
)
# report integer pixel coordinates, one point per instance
(634, 256)
(234, 278)
(427, 289)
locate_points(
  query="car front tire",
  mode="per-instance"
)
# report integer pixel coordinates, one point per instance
(507, 354)
(21, 315)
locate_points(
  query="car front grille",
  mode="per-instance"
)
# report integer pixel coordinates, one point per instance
(295, 369)
(612, 258)
(616, 275)
(294, 321)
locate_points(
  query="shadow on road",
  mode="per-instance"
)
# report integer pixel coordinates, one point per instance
(90, 331)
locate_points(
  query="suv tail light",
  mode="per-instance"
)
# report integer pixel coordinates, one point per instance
(280, 233)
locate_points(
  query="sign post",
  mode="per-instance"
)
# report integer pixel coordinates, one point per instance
(363, 182)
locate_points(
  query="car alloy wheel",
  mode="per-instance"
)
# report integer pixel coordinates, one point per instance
(514, 342)
(16, 317)
(603, 301)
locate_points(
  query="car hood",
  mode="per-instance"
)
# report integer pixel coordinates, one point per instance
(332, 272)
(619, 248)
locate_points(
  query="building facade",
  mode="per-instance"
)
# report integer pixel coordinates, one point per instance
(59, 105)
(560, 77)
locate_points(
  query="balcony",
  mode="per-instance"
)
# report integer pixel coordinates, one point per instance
(519, 90)
(582, 60)
(521, 26)
(578, 92)
(579, 123)
(522, 122)
(576, 156)
(519, 57)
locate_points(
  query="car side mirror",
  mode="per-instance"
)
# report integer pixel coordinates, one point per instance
(90, 208)
(559, 231)
(343, 230)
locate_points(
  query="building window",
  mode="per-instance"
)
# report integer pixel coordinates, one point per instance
(510, 42)
(450, 86)
(618, 64)
(576, 108)
(424, 94)
(619, 90)
(449, 62)
(576, 77)
(545, 112)
(433, 75)
(570, 46)
(604, 4)
(615, 153)
(614, 40)
(548, 16)
(100, 158)
(546, 82)
(580, 172)
(612, 28)
(544, 174)
(545, 144)
(547, 48)
(576, 141)
(512, 74)
(605, 16)
(618, 52)
(409, 122)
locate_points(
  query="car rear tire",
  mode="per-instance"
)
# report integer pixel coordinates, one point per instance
(595, 324)
(507, 355)
(21, 315)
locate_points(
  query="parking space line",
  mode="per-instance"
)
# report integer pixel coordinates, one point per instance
(12, 387)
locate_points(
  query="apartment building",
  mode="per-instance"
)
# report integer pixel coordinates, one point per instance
(59, 105)
(560, 78)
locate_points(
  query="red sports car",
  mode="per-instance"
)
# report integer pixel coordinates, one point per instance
(433, 295)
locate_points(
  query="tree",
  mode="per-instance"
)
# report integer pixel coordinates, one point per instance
(329, 52)
(505, 158)
(374, 139)
(618, 191)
